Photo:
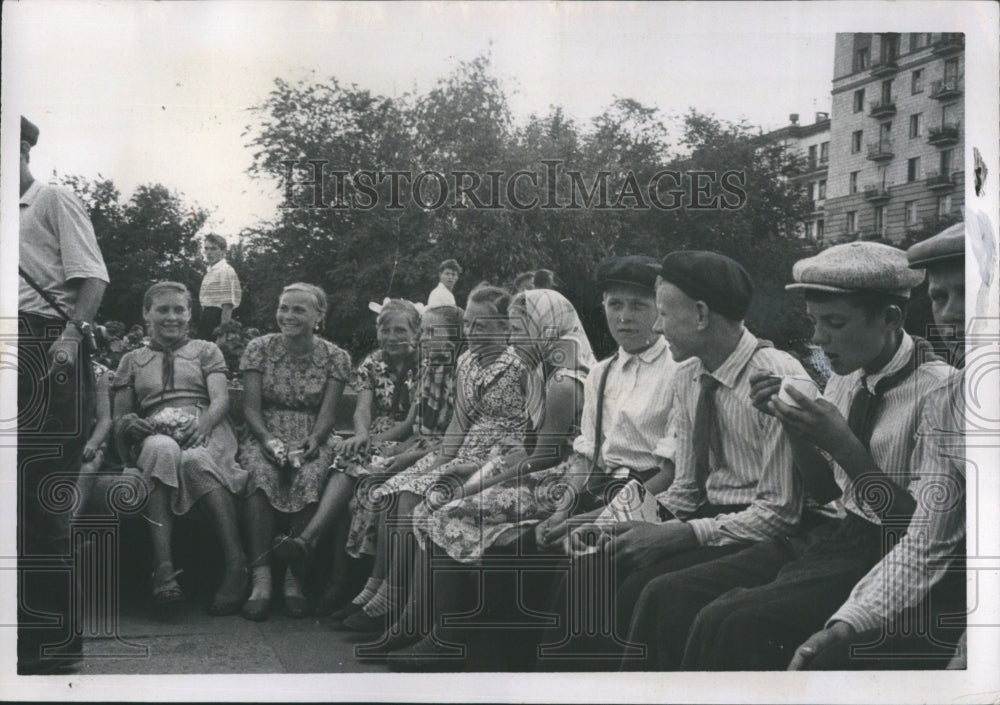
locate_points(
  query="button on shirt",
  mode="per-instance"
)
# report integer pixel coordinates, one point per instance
(638, 398)
(57, 245)
(750, 458)
(919, 560)
(220, 286)
(440, 296)
(895, 425)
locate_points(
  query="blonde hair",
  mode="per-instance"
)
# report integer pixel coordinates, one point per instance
(162, 287)
(403, 308)
(316, 292)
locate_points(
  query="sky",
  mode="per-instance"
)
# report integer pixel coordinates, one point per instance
(160, 92)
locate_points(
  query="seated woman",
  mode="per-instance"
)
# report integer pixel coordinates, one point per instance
(292, 383)
(431, 412)
(385, 381)
(171, 415)
(508, 493)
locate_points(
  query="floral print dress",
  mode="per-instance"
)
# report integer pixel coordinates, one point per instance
(292, 390)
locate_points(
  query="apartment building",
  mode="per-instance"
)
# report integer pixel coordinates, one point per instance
(812, 142)
(896, 134)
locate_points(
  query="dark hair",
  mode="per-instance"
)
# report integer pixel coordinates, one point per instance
(216, 240)
(496, 297)
(545, 279)
(524, 277)
(450, 264)
(452, 316)
(163, 287)
(871, 302)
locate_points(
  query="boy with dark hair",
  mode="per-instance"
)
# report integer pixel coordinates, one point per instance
(448, 274)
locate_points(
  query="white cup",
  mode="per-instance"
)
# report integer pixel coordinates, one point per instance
(802, 385)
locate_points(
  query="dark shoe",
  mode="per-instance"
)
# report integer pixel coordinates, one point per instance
(428, 654)
(256, 610)
(346, 611)
(230, 601)
(363, 622)
(296, 607)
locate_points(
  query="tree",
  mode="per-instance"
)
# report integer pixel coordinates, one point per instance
(148, 238)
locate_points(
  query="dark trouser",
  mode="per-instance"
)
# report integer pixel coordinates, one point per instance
(210, 319)
(595, 603)
(54, 418)
(923, 637)
(750, 611)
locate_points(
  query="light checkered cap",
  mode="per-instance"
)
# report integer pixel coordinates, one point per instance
(856, 266)
(947, 245)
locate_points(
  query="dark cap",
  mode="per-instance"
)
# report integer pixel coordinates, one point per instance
(631, 270)
(29, 133)
(719, 281)
(948, 245)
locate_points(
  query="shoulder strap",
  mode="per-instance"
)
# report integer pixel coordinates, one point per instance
(598, 426)
(49, 299)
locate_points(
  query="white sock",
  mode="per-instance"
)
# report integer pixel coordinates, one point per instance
(371, 587)
(379, 604)
(292, 587)
(261, 577)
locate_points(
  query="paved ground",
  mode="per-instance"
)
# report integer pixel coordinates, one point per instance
(196, 642)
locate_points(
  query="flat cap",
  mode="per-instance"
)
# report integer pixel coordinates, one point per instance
(856, 266)
(29, 132)
(632, 270)
(949, 244)
(719, 281)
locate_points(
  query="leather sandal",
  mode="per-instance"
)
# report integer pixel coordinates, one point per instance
(166, 590)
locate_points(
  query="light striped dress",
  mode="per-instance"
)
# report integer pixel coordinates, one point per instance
(749, 456)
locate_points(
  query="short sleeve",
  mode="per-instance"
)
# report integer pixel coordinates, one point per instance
(338, 365)
(212, 360)
(364, 378)
(124, 376)
(253, 356)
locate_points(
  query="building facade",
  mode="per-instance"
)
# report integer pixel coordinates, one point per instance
(896, 135)
(812, 143)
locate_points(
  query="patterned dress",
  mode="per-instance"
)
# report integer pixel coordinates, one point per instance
(499, 422)
(291, 395)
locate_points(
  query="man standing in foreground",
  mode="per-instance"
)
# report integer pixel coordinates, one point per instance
(62, 282)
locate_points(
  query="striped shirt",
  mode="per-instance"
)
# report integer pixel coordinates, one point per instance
(638, 397)
(895, 425)
(919, 560)
(750, 457)
(220, 286)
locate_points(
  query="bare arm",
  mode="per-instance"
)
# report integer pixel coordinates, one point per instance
(252, 391)
(227, 313)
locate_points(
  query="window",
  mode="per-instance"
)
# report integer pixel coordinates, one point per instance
(821, 190)
(819, 229)
(918, 40)
(812, 157)
(915, 126)
(885, 132)
(824, 152)
(859, 100)
(887, 91)
(856, 141)
(917, 82)
(890, 47)
(854, 182)
(861, 59)
(912, 169)
(852, 221)
(950, 71)
(880, 220)
(911, 212)
(945, 162)
(948, 115)
(944, 205)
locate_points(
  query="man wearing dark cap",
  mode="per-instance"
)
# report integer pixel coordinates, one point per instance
(734, 482)
(62, 282)
(921, 582)
(853, 444)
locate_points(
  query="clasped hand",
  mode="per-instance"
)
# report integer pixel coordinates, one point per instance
(817, 421)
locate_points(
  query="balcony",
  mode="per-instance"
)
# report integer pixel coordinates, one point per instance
(943, 136)
(940, 182)
(947, 89)
(882, 109)
(886, 67)
(880, 151)
(948, 43)
(815, 206)
(876, 194)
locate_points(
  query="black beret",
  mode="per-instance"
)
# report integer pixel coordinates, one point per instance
(29, 133)
(719, 281)
(632, 270)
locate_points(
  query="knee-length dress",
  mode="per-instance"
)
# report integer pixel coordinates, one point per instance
(189, 474)
(292, 389)
(495, 393)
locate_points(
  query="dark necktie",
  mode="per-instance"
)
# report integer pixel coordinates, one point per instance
(168, 360)
(704, 420)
